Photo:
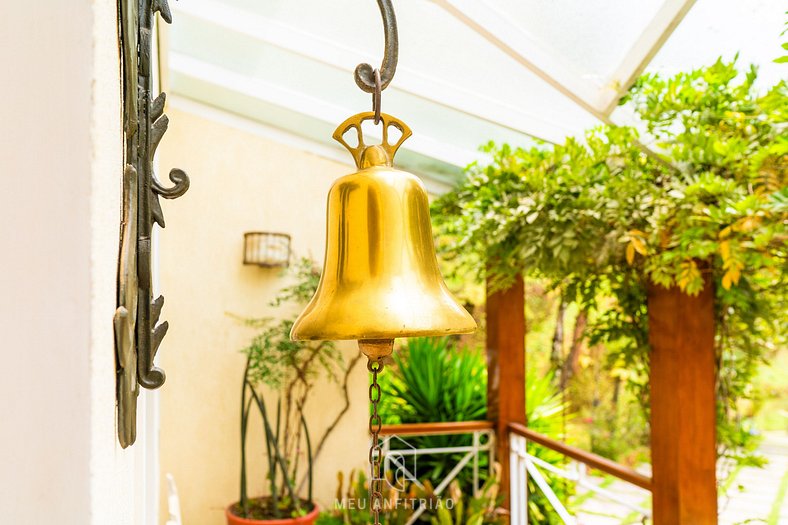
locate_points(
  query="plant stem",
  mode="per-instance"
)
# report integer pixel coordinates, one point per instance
(243, 499)
(292, 397)
(271, 459)
(270, 435)
(308, 456)
(337, 419)
(271, 462)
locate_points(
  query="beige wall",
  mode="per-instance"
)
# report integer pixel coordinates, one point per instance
(60, 168)
(242, 180)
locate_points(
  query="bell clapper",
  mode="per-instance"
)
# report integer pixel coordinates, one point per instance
(377, 351)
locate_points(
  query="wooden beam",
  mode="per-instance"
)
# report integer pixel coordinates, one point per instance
(506, 368)
(683, 409)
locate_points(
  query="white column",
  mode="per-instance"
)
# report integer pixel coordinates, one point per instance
(60, 166)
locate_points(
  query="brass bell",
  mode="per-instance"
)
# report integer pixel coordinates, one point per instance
(380, 277)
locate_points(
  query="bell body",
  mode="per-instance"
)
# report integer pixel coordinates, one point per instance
(380, 278)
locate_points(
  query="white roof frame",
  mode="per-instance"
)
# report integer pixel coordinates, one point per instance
(599, 100)
(341, 57)
(304, 104)
(651, 40)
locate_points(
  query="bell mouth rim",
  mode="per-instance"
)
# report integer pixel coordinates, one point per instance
(383, 334)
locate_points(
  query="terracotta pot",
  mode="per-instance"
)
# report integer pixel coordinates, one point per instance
(307, 519)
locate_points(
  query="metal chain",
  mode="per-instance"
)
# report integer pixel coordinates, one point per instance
(375, 453)
(376, 97)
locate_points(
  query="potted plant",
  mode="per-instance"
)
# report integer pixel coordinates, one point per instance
(277, 383)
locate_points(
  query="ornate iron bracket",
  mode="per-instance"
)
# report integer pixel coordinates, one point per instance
(137, 332)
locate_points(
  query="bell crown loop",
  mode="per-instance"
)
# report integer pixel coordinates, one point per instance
(366, 155)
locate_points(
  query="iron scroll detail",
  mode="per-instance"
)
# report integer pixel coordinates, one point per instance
(138, 332)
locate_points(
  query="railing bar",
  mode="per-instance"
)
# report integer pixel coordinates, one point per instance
(476, 448)
(614, 498)
(415, 516)
(517, 481)
(411, 475)
(453, 473)
(453, 427)
(587, 484)
(523, 482)
(552, 468)
(590, 459)
(548, 492)
(422, 451)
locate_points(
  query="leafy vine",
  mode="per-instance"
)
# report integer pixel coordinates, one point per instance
(601, 219)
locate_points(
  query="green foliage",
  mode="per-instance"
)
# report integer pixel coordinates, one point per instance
(287, 370)
(545, 409)
(614, 424)
(455, 507)
(306, 278)
(603, 217)
(275, 360)
(434, 380)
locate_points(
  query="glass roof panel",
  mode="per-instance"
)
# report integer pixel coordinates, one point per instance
(591, 37)
(715, 28)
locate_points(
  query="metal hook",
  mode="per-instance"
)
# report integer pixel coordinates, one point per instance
(364, 75)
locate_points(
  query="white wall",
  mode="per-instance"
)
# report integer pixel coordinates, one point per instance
(60, 167)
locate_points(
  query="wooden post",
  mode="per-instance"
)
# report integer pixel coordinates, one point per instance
(505, 312)
(683, 416)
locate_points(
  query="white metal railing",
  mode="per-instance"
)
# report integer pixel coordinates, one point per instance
(397, 458)
(522, 465)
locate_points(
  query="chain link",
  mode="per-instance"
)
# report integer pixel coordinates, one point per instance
(375, 453)
(376, 97)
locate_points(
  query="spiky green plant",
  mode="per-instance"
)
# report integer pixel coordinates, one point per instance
(435, 381)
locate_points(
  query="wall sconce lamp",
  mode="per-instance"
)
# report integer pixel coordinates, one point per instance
(267, 249)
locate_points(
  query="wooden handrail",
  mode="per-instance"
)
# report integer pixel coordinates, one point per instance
(424, 429)
(457, 427)
(592, 460)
